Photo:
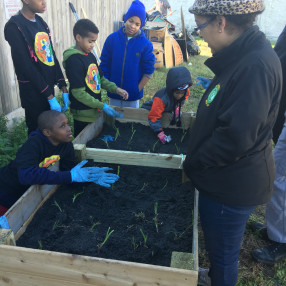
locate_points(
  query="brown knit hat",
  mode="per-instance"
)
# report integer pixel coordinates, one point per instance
(226, 7)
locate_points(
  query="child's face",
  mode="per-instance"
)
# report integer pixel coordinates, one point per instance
(178, 94)
(132, 25)
(61, 131)
(36, 6)
(86, 44)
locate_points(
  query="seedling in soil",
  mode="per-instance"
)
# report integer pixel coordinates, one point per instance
(144, 237)
(179, 235)
(134, 244)
(75, 196)
(165, 186)
(177, 148)
(57, 205)
(140, 215)
(155, 218)
(145, 185)
(132, 135)
(40, 244)
(154, 145)
(108, 233)
(117, 134)
(93, 226)
(118, 172)
(106, 143)
(56, 224)
(184, 134)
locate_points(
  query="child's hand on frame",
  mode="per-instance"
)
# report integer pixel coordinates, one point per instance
(123, 93)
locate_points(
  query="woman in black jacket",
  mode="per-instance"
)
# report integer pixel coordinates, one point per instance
(229, 157)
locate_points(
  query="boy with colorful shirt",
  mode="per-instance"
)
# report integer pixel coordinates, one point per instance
(86, 78)
(49, 144)
(127, 57)
(35, 62)
(169, 99)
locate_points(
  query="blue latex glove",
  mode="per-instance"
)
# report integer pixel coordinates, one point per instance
(96, 175)
(205, 82)
(111, 112)
(107, 138)
(54, 104)
(66, 101)
(4, 223)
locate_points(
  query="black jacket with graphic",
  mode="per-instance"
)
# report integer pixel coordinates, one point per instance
(229, 156)
(34, 59)
(30, 167)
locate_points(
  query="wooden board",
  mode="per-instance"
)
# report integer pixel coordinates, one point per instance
(168, 51)
(135, 158)
(140, 115)
(178, 55)
(30, 267)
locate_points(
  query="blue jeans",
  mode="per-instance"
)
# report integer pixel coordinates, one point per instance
(223, 228)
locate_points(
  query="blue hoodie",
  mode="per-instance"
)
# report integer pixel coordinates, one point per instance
(125, 62)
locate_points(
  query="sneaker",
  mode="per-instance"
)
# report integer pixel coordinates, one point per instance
(270, 254)
(204, 279)
(260, 229)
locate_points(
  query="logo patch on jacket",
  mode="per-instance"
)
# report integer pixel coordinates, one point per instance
(92, 78)
(50, 161)
(212, 95)
(44, 49)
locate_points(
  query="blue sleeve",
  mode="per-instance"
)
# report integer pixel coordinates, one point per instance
(148, 59)
(106, 58)
(42, 176)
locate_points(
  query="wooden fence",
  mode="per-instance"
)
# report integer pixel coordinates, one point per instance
(104, 13)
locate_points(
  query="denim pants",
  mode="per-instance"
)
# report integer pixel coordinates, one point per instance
(223, 228)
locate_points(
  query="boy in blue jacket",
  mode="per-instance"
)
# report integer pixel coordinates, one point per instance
(49, 144)
(127, 57)
(35, 62)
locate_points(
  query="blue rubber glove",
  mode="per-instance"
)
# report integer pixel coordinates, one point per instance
(54, 104)
(4, 222)
(95, 175)
(66, 101)
(111, 112)
(107, 138)
(205, 82)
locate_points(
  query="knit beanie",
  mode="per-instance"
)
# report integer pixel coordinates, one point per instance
(137, 8)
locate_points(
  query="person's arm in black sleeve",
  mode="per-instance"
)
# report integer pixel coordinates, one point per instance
(24, 62)
(68, 161)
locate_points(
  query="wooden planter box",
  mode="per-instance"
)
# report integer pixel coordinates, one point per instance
(32, 267)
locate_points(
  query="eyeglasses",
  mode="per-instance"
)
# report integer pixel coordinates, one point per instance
(200, 27)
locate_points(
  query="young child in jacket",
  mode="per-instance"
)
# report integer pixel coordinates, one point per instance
(35, 62)
(86, 78)
(48, 144)
(127, 57)
(169, 99)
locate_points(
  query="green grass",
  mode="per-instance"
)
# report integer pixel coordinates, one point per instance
(196, 67)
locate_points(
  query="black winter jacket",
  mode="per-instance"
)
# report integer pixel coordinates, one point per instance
(229, 156)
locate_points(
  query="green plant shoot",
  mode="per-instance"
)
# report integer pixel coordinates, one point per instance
(165, 186)
(75, 196)
(155, 218)
(106, 143)
(117, 134)
(184, 134)
(93, 226)
(144, 237)
(57, 205)
(40, 244)
(145, 185)
(177, 148)
(154, 145)
(108, 233)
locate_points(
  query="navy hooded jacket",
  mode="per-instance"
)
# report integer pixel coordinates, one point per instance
(125, 62)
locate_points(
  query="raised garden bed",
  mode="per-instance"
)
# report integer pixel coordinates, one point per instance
(24, 266)
(146, 203)
(140, 138)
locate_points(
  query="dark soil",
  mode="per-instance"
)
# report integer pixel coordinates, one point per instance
(143, 140)
(79, 227)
